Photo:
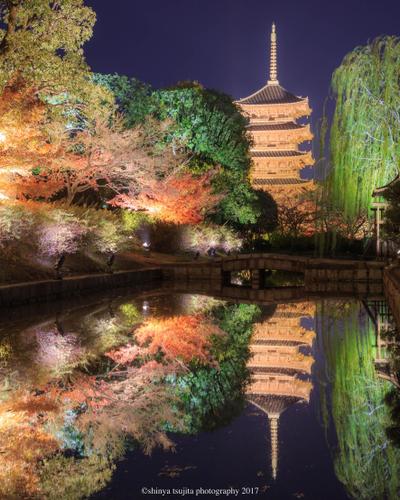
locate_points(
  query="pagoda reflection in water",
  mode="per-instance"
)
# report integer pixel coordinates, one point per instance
(280, 371)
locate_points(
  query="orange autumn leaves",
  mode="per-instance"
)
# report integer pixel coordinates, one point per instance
(179, 337)
(129, 398)
(183, 338)
(178, 199)
(24, 442)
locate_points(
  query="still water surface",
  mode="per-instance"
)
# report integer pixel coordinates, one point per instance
(145, 394)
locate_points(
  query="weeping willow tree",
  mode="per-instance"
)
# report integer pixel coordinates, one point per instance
(365, 131)
(366, 461)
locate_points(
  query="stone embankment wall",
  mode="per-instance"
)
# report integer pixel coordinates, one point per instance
(43, 291)
(391, 281)
(323, 270)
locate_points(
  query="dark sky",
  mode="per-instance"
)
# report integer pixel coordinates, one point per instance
(224, 43)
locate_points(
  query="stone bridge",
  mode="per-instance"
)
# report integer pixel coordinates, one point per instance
(315, 270)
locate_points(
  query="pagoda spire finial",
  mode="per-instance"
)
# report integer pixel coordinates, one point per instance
(273, 427)
(273, 67)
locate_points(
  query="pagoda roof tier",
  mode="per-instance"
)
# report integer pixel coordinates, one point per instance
(279, 385)
(280, 342)
(271, 94)
(280, 182)
(272, 405)
(266, 360)
(264, 127)
(305, 338)
(273, 153)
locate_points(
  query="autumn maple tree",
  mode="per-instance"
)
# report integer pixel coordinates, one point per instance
(180, 198)
(180, 337)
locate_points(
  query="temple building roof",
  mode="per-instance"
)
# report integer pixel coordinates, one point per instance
(270, 404)
(271, 94)
(382, 190)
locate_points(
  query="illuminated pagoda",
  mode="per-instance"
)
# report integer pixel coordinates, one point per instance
(280, 372)
(273, 115)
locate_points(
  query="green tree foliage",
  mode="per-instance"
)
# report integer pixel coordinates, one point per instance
(41, 47)
(366, 462)
(210, 396)
(365, 133)
(213, 129)
(210, 127)
(134, 99)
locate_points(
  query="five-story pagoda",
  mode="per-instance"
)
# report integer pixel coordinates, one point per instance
(273, 114)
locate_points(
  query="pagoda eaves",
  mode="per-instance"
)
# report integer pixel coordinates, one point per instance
(276, 135)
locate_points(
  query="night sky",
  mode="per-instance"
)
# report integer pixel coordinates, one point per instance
(224, 43)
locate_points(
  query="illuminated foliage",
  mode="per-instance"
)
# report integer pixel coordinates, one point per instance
(210, 396)
(106, 231)
(178, 199)
(105, 157)
(365, 133)
(25, 146)
(23, 443)
(180, 337)
(211, 129)
(41, 46)
(214, 130)
(60, 233)
(16, 223)
(365, 460)
(201, 237)
(134, 99)
(57, 351)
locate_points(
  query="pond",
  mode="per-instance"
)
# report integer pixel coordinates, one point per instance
(161, 393)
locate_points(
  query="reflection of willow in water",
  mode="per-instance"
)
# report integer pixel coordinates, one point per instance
(79, 390)
(365, 460)
(280, 371)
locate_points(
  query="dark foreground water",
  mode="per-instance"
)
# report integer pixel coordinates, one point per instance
(160, 394)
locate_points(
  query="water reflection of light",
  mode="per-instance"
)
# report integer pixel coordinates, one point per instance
(55, 350)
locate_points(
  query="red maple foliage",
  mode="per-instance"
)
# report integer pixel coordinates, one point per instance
(179, 199)
(180, 337)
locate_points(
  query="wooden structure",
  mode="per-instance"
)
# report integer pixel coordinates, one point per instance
(280, 372)
(273, 115)
(383, 320)
(384, 248)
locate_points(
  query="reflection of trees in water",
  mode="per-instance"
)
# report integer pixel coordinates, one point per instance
(83, 395)
(212, 396)
(366, 462)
